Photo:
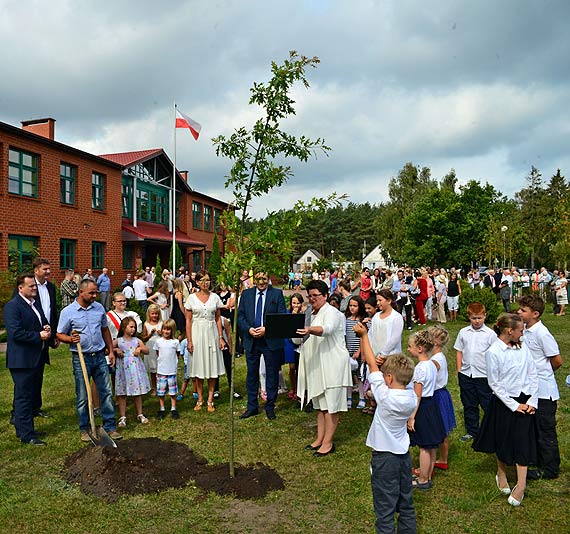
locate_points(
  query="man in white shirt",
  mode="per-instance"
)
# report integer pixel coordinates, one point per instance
(142, 290)
(546, 356)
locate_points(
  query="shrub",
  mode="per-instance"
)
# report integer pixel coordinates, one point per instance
(7, 285)
(483, 295)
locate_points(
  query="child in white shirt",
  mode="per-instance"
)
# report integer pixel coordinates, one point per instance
(167, 348)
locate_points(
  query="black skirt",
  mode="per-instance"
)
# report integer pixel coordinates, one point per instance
(430, 431)
(510, 435)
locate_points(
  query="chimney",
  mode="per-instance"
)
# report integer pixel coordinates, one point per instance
(43, 127)
(184, 175)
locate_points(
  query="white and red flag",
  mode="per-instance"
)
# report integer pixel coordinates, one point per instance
(184, 121)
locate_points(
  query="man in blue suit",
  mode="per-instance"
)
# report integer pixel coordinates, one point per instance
(28, 332)
(254, 305)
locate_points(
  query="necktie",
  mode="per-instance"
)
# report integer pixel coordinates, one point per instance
(259, 310)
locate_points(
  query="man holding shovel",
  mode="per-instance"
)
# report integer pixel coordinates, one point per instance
(85, 322)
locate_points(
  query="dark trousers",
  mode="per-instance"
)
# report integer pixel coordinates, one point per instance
(548, 452)
(473, 392)
(273, 359)
(228, 366)
(37, 394)
(391, 478)
(408, 310)
(24, 383)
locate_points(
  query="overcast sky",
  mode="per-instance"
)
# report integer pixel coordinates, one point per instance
(480, 86)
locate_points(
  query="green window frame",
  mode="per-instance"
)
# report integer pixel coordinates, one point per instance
(97, 254)
(207, 256)
(152, 203)
(197, 260)
(208, 218)
(22, 173)
(217, 220)
(97, 191)
(128, 255)
(196, 215)
(67, 181)
(67, 249)
(21, 252)
(127, 196)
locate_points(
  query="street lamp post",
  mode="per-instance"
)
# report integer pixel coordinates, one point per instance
(504, 230)
(332, 255)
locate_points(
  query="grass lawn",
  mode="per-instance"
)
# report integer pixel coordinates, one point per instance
(329, 494)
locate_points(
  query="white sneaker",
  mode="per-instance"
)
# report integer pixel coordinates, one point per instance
(349, 403)
(361, 404)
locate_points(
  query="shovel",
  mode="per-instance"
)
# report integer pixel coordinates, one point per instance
(97, 434)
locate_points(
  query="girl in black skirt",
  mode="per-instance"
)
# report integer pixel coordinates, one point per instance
(425, 426)
(508, 427)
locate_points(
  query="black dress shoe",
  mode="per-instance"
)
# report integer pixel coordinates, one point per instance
(270, 414)
(12, 421)
(41, 413)
(248, 413)
(309, 447)
(39, 433)
(318, 454)
(34, 441)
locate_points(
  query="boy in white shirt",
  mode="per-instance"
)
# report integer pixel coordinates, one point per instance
(391, 465)
(167, 349)
(471, 344)
(546, 356)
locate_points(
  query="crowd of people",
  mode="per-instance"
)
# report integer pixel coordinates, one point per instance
(351, 343)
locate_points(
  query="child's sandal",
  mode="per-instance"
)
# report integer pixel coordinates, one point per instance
(198, 406)
(211, 407)
(122, 422)
(142, 418)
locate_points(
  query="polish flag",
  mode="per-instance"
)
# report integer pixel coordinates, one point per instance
(184, 121)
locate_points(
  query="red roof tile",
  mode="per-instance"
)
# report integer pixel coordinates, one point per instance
(155, 232)
(129, 158)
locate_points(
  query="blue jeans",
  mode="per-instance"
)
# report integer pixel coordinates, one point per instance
(97, 369)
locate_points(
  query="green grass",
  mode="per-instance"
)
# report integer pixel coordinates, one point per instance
(330, 494)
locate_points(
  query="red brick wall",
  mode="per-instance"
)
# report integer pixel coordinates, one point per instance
(46, 218)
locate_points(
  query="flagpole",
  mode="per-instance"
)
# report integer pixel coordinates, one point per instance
(173, 207)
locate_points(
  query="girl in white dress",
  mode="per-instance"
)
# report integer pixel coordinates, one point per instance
(205, 340)
(162, 299)
(150, 333)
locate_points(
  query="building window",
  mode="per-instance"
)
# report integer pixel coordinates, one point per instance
(128, 257)
(67, 174)
(97, 191)
(217, 220)
(67, 253)
(97, 254)
(127, 196)
(309, 259)
(22, 173)
(208, 218)
(207, 256)
(152, 203)
(196, 215)
(21, 252)
(197, 260)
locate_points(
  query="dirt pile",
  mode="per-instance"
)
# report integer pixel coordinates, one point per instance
(148, 465)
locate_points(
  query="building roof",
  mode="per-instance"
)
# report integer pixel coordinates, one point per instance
(56, 144)
(311, 251)
(126, 159)
(155, 232)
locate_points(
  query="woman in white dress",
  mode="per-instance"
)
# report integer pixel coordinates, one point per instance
(205, 340)
(324, 367)
(386, 328)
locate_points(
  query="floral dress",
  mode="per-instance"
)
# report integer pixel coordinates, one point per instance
(131, 378)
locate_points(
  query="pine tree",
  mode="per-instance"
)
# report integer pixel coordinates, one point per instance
(215, 261)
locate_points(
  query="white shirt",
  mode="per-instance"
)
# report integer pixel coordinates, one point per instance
(167, 360)
(510, 372)
(388, 431)
(473, 344)
(442, 373)
(425, 373)
(129, 292)
(140, 287)
(542, 347)
(43, 294)
(385, 335)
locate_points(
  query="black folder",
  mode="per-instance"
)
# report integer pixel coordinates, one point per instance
(283, 325)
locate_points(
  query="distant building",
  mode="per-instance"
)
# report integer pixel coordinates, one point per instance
(375, 259)
(83, 211)
(307, 261)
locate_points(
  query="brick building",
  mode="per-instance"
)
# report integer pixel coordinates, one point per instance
(80, 210)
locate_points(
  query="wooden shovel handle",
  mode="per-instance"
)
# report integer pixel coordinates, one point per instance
(87, 387)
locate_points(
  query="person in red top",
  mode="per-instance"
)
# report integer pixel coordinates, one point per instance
(365, 284)
(421, 299)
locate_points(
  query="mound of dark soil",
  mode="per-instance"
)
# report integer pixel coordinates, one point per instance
(148, 465)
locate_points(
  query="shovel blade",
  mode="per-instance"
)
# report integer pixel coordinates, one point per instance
(101, 438)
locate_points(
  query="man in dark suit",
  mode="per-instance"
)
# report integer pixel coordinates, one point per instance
(255, 303)
(28, 331)
(47, 301)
